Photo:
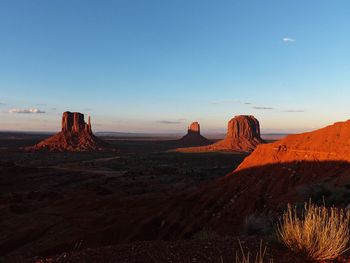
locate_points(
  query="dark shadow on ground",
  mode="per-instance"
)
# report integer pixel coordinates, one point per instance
(45, 211)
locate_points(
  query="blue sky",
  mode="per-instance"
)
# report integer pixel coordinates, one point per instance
(156, 65)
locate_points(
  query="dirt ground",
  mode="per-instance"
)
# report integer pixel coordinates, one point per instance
(145, 203)
(51, 201)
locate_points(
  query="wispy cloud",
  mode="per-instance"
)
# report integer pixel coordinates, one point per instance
(262, 108)
(2, 103)
(288, 40)
(294, 111)
(170, 122)
(33, 111)
(40, 104)
(248, 103)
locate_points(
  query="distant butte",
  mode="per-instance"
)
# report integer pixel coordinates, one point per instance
(194, 137)
(76, 136)
(243, 135)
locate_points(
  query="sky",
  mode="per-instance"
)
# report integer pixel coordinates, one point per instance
(157, 65)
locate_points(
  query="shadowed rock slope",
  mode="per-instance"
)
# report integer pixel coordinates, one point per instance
(194, 137)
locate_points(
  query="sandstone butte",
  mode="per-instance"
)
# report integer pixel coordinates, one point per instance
(76, 135)
(243, 135)
(194, 137)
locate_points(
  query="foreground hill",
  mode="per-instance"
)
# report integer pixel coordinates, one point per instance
(328, 144)
(311, 165)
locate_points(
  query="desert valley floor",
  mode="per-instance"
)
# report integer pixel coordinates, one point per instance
(50, 202)
(141, 203)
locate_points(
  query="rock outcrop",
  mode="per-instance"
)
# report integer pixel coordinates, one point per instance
(74, 122)
(331, 143)
(76, 135)
(243, 135)
(194, 128)
(194, 137)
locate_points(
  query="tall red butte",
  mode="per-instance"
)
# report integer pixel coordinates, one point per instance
(76, 135)
(243, 135)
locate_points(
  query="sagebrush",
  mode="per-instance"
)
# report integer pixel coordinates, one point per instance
(319, 233)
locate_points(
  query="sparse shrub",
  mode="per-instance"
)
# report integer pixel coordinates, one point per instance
(319, 233)
(246, 256)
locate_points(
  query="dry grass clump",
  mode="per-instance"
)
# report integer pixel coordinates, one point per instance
(246, 257)
(320, 233)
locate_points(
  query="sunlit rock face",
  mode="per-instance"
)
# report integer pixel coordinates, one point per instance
(329, 144)
(194, 128)
(75, 135)
(243, 135)
(74, 122)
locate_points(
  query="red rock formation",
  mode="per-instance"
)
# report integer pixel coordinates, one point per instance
(74, 122)
(286, 171)
(243, 135)
(194, 128)
(194, 137)
(75, 135)
(328, 144)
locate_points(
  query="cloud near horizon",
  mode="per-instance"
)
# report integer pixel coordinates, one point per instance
(33, 111)
(294, 111)
(170, 122)
(262, 108)
(229, 101)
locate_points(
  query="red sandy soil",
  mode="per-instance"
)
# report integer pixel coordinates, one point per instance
(51, 201)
